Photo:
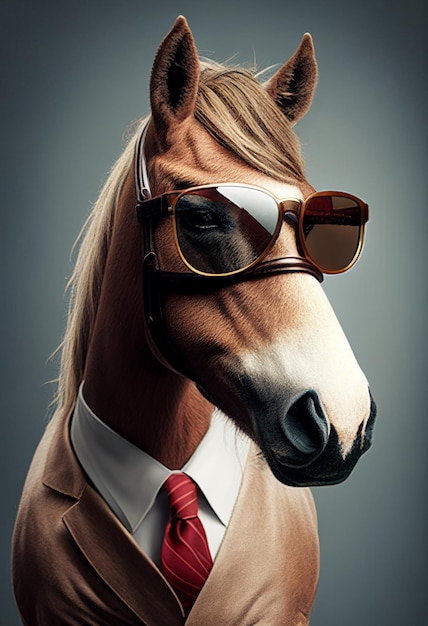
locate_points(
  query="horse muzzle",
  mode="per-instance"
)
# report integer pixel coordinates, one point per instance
(302, 448)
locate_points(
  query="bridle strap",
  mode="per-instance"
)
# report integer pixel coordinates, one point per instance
(141, 177)
(272, 267)
(157, 337)
(156, 282)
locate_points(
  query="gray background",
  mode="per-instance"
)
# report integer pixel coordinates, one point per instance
(75, 75)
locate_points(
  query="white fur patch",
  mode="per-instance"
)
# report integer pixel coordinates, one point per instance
(311, 352)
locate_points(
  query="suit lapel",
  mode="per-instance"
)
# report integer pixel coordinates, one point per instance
(103, 540)
(266, 570)
(120, 563)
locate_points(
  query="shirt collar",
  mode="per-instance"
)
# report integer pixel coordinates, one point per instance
(129, 479)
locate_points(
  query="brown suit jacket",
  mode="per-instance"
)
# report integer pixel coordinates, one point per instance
(74, 563)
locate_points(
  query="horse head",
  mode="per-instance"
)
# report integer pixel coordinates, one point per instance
(269, 352)
(263, 345)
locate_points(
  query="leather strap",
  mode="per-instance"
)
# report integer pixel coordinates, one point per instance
(272, 267)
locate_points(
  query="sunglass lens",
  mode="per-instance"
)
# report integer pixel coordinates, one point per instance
(224, 229)
(331, 231)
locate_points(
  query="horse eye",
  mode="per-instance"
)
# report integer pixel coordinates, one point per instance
(201, 215)
(204, 218)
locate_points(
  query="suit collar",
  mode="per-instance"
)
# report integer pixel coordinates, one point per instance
(62, 472)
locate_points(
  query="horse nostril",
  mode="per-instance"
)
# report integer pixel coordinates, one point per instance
(306, 427)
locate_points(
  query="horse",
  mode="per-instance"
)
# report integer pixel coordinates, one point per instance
(197, 292)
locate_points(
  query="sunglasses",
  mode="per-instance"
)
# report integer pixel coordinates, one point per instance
(225, 229)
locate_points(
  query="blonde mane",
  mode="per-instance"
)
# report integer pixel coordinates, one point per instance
(235, 108)
(85, 282)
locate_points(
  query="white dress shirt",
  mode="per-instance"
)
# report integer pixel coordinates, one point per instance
(129, 479)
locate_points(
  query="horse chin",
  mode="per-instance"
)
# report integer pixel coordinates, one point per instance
(330, 468)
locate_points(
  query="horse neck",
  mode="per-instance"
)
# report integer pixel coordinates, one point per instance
(154, 408)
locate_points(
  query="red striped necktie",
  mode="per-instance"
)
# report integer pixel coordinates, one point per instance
(186, 559)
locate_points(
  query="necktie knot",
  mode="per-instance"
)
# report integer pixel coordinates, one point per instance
(182, 495)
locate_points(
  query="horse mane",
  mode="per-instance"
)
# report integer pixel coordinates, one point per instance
(84, 285)
(234, 107)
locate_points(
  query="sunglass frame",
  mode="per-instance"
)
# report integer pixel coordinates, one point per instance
(165, 204)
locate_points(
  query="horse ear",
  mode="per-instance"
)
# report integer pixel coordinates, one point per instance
(174, 79)
(293, 86)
